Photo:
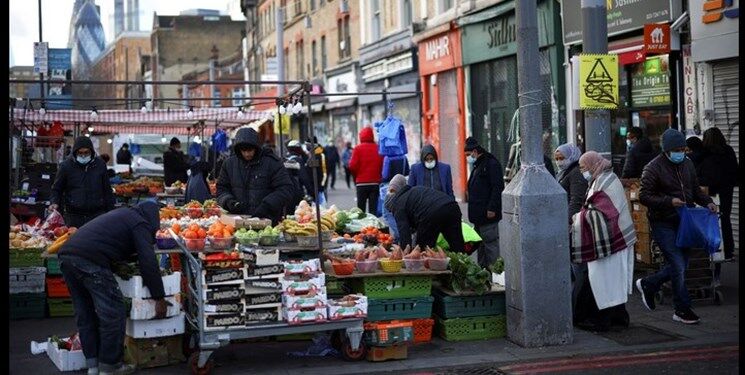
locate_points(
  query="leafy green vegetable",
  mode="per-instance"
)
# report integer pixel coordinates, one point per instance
(342, 219)
(497, 266)
(467, 275)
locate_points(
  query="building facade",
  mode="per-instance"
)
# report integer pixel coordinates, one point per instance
(121, 61)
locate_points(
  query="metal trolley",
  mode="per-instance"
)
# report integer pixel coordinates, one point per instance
(347, 336)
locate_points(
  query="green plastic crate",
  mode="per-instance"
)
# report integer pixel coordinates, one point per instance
(53, 267)
(25, 258)
(401, 308)
(395, 286)
(448, 307)
(60, 307)
(27, 306)
(334, 286)
(473, 328)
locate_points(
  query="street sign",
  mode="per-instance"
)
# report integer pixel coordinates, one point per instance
(657, 38)
(41, 57)
(598, 86)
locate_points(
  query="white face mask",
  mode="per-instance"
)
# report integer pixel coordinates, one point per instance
(471, 159)
(629, 143)
(83, 159)
(430, 164)
(587, 175)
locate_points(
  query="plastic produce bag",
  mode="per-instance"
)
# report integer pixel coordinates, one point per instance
(469, 235)
(391, 137)
(54, 220)
(699, 228)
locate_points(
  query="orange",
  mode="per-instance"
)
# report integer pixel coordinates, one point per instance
(202, 233)
(176, 228)
(190, 234)
(226, 233)
(194, 227)
(230, 228)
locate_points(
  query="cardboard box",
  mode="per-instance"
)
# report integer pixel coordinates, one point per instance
(263, 299)
(154, 352)
(224, 321)
(313, 299)
(144, 309)
(224, 276)
(260, 257)
(643, 248)
(638, 207)
(263, 285)
(223, 293)
(302, 286)
(226, 307)
(379, 353)
(66, 360)
(268, 271)
(339, 309)
(134, 287)
(304, 267)
(245, 221)
(221, 264)
(140, 329)
(316, 315)
(264, 315)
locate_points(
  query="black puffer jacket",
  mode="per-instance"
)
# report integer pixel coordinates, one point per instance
(485, 188)
(261, 187)
(175, 166)
(575, 185)
(83, 189)
(718, 170)
(414, 206)
(663, 180)
(637, 157)
(121, 235)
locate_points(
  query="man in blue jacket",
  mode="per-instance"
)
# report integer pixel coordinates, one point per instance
(485, 187)
(432, 173)
(121, 235)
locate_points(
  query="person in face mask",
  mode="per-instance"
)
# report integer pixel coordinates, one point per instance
(570, 177)
(432, 173)
(668, 182)
(640, 152)
(81, 187)
(485, 187)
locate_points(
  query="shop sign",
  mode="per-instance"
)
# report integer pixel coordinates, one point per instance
(346, 82)
(598, 75)
(41, 50)
(657, 38)
(714, 29)
(439, 53)
(388, 67)
(623, 16)
(285, 123)
(689, 88)
(650, 89)
(60, 69)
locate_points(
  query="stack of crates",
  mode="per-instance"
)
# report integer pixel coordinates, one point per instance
(388, 340)
(59, 301)
(644, 251)
(26, 289)
(469, 317)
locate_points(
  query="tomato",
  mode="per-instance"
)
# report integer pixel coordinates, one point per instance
(201, 233)
(176, 228)
(190, 234)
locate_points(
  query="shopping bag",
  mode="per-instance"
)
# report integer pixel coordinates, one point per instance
(469, 235)
(699, 228)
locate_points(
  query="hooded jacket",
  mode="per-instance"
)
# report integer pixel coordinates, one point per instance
(639, 155)
(119, 236)
(414, 206)
(366, 164)
(83, 189)
(123, 156)
(260, 187)
(485, 190)
(575, 185)
(197, 188)
(421, 176)
(174, 167)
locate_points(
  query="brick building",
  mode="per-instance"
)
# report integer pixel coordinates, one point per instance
(121, 61)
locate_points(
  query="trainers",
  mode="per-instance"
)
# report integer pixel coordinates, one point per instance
(647, 294)
(121, 370)
(686, 316)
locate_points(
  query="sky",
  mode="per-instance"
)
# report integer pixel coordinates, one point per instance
(24, 21)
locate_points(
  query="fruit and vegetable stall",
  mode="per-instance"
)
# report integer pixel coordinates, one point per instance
(233, 277)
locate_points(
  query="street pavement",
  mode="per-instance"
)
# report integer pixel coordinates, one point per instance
(654, 344)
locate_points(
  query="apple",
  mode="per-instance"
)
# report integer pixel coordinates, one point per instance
(72, 230)
(60, 231)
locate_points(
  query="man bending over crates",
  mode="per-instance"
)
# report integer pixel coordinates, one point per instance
(85, 261)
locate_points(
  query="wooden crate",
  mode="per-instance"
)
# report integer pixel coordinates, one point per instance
(643, 248)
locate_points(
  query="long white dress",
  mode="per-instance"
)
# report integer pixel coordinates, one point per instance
(611, 278)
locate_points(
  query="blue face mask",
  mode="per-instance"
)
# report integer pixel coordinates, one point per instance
(83, 159)
(677, 157)
(471, 159)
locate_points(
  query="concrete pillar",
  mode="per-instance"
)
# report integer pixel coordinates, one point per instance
(534, 239)
(595, 40)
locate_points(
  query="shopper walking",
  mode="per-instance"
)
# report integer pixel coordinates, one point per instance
(603, 239)
(175, 163)
(82, 188)
(332, 162)
(718, 171)
(346, 156)
(485, 187)
(668, 182)
(640, 152)
(431, 172)
(367, 165)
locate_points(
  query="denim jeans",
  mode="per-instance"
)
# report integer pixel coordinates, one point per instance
(99, 310)
(676, 263)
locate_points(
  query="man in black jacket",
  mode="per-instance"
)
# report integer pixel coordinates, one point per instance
(669, 182)
(485, 187)
(640, 153)
(121, 235)
(332, 160)
(426, 211)
(123, 156)
(82, 186)
(175, 164)
(253, 181)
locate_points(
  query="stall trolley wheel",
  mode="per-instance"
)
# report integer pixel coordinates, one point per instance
(718, 297)
(194, 363)
(348, 351)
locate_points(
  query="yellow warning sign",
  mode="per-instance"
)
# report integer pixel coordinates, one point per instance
(285, 124)
(598, 81)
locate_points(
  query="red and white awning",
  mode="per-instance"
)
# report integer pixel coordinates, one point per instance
(130, 116)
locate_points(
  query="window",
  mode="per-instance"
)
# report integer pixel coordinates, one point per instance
(299, 63)
(347, 38)
(323, 53)
(314, 60)
(298, 7)
(406, 14)
(287, 62)
(312, 5)
(238, 93)
(375, 24)
(445, 5)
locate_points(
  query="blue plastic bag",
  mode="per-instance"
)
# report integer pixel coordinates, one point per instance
(699, 228)
(391, 137)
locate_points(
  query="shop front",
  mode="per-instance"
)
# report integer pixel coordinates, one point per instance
(443, 121)
(490, 60)
(649, 92)
(342, 109)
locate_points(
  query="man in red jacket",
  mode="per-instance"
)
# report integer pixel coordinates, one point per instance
(367, 165)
